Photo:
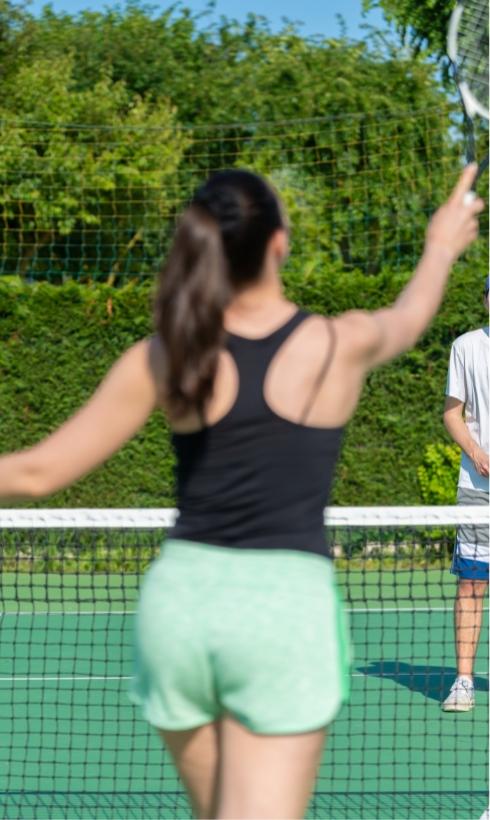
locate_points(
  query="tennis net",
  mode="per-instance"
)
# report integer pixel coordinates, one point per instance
(73, 746)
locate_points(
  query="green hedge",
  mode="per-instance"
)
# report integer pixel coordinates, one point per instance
(439, 472)
(56, 342)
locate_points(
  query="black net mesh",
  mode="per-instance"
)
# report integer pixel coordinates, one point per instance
(73, 746)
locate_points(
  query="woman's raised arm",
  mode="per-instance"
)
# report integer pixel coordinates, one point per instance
(379, 336)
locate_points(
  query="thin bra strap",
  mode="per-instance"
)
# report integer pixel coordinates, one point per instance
(323, 372)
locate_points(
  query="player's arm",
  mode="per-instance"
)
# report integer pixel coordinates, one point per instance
(116, 411)
(379, 336)
(456, 426)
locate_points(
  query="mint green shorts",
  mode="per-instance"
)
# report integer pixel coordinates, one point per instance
(258, 635)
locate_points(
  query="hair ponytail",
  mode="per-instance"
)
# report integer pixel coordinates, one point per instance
(193, 292)
(219, 247)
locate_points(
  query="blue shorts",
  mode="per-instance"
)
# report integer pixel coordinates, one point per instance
(468, 568)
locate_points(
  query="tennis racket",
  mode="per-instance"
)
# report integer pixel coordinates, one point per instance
(467, 48)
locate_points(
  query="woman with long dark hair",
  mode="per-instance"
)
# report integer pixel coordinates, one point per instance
(241, 649)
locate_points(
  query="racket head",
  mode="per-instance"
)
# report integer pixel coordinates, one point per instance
(467, 48)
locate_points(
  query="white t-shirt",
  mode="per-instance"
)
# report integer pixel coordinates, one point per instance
(468, 381)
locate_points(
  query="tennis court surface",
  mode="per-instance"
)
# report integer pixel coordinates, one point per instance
(73, 746)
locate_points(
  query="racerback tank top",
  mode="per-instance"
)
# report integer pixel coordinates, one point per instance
(255, 480)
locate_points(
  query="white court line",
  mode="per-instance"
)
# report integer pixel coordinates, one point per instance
(65, 613)
(90, 678)
(61, 678)
(390, 675)
(133, 612)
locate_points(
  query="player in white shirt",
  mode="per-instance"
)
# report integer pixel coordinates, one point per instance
(466, 417)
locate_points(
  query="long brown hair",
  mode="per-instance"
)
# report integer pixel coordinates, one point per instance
(219, 246)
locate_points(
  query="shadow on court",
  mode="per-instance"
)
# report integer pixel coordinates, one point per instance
(432, 681)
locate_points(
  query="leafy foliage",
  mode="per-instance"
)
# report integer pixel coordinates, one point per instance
(109, 120)
(422, 25)
(62, 177)
(224, 73)
(438, 474)
(56, 343)
(107, 123)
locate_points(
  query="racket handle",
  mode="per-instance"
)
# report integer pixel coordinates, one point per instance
(469, 197)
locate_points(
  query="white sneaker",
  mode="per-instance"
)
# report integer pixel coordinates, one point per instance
(461, 698)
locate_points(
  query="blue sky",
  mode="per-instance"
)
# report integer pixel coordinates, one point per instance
(316, 16)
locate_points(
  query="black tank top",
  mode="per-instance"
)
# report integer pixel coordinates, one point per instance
(255, 480)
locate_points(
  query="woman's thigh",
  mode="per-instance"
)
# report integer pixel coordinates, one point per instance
(196, 756)
(267, 776)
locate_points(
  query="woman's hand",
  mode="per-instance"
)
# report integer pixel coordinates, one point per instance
(454, 225)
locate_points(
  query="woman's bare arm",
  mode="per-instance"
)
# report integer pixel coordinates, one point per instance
(116, 411)
(379, 336)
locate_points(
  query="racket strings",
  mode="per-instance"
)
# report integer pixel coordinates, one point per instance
(473, 49)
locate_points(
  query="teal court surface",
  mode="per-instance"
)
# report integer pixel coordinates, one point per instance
(73, 746)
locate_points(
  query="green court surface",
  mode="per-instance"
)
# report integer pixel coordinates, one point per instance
(72, 745)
